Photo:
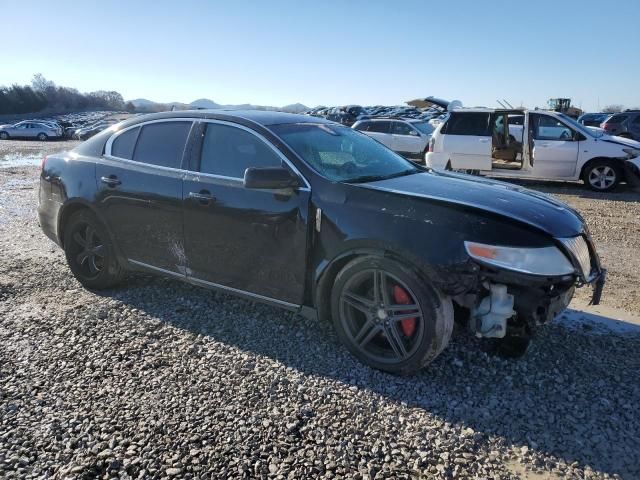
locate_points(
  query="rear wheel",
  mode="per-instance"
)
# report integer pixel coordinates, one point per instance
(601, 175)
(387, 317)
(90, 253)
(42, 137)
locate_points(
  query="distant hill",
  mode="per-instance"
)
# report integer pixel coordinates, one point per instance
(204, 103)
(145, 105)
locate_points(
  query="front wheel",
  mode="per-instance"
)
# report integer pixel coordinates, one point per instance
(90, 253)
(4, 136)
(388, 317)
(601, 175)
(42, 137)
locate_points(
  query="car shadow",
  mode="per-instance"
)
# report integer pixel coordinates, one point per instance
(623, 193)
(514, 400)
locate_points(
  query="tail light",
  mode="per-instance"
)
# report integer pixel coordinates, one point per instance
(42, 164)
(431, 144)
(607, 126)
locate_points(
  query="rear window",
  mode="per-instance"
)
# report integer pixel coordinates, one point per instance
(124, 144)
(162, 143)
(617, 118)
(476, 124)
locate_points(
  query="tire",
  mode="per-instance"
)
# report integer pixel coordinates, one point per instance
(90, 253)
(601, 175)
(370, 332)
(4, 136)
(42, 137)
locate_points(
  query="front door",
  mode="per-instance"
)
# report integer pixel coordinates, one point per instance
(140, 194)
(252, 241)
(555, 147)
(406, 139)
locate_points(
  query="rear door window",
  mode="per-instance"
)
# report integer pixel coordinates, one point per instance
(379, 127)
(401, 128)
(473, 123)
(162, 143)
(124, 144)
(228, 151)
(363, 126)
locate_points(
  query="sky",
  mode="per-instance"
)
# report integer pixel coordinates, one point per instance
(330, 52)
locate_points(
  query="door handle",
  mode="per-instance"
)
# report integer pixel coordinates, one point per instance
(483, 140)
(203, 196)
(111, 180)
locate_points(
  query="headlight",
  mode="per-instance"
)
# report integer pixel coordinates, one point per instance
(547, 261)
(632, 152)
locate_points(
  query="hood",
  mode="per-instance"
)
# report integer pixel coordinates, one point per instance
(622, 141)
(499, 198)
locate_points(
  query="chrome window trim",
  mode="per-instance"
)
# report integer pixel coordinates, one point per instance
(115, 135)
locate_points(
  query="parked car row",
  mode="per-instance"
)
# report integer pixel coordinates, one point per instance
(350, 114)
(79, 126)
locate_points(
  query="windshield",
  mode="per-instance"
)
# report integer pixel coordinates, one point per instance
(342, 154)
(579, 127)
(424, 127)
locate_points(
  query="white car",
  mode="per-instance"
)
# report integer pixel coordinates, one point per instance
(540, 145)
(408, 137)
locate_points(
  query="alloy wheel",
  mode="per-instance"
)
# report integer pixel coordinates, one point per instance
(381, 316)
(88, 250)
(602, 177)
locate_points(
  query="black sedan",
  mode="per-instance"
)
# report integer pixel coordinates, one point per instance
(319, 219)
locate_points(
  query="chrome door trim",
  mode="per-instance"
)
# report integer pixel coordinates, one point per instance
(216, 286)
(264, 298)
(157, 269)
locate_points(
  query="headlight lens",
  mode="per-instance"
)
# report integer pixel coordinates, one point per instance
(547, 261)
(632, 152)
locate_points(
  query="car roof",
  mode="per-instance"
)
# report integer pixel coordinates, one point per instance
(261, 117)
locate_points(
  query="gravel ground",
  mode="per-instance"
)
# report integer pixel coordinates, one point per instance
(159, 379)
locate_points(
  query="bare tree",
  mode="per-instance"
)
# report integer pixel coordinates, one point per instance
(41, 84)
(614, 108)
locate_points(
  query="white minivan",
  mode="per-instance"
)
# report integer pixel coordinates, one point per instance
(407, 136)
(534, 144)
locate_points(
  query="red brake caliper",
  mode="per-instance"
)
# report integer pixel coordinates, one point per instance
(401, 297)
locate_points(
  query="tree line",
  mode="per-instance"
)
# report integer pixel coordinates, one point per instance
(44, 95)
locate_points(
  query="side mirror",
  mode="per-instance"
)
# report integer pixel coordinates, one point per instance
(269, 178)
(413, 133)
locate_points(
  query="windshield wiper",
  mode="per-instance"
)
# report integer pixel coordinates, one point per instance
(375, 178)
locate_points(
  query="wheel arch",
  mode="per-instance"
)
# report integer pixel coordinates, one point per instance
(608, 159)
(75, 205)
(327, 271)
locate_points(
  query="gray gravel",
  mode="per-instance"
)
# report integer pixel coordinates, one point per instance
(159, 379)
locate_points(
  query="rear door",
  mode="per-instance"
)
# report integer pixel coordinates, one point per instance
(634, 127)
(466, 137)
(555, 147)
(140, 193)
(246, 240)
(381, 131)
(406, 140)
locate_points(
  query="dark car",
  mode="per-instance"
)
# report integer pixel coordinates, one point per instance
(625, 124)
(593, 119)
(319, 219)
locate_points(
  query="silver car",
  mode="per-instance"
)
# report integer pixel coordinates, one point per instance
(30, 129)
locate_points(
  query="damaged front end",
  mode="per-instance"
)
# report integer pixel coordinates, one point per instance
(519, 289)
